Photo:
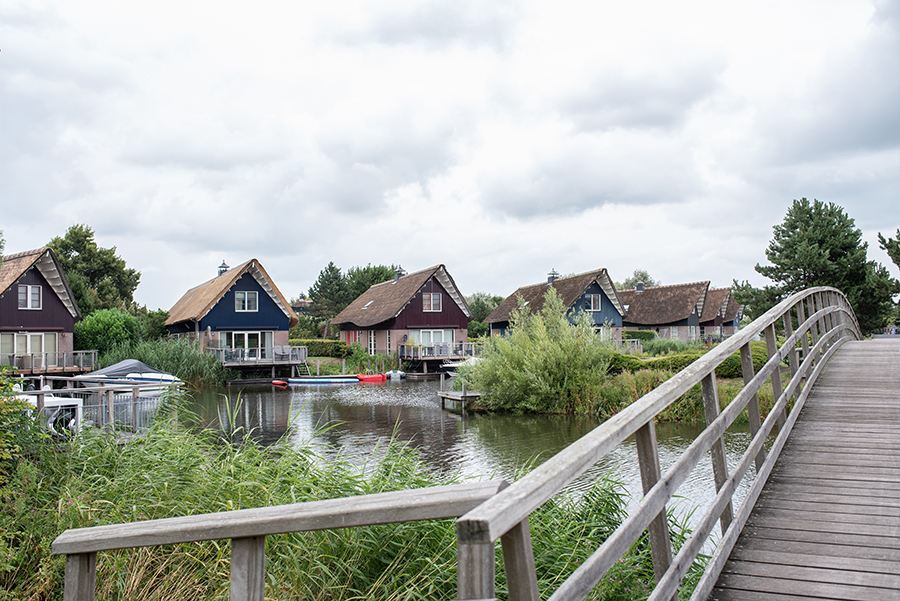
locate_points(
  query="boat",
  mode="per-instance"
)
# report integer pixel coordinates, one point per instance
(62, 413)
(395, 374)
(152, 381)
(312, 380)
(371, 377)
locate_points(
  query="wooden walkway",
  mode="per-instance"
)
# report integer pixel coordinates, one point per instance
(827, 524)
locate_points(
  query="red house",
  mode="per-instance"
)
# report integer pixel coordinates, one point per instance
(424, 309)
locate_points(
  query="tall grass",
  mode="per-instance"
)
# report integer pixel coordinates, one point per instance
(174, 471)
(181, 358)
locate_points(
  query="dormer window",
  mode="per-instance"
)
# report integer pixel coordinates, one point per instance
(30, 297)
(431, 302)
(246, 301)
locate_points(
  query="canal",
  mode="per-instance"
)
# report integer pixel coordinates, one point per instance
(357, 421)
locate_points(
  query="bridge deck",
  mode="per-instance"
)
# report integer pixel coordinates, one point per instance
(827, 524)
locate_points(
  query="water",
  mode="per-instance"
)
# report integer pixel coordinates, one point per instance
(356, 421)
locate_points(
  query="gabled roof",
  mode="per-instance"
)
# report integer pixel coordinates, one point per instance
(663, 304)
(44, 259)
(733, 310)
(569, 289)
(200, 300)
(386, 300)
(716, 303)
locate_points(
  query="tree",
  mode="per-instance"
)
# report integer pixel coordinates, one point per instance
(481, 305)
(98, 277)
(818, 244)
(890, 245)
(639, 275)
(360, 279)
(329, 295)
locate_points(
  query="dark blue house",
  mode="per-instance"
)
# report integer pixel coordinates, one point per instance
(241, 312)
(592, 293)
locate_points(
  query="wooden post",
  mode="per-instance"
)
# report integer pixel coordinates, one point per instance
(317, 366)
(475, 570)
(518, 560)
(465, 400)
(801, 318)
(747, 371)
(648, 461)
(135, 393)
(792, 353)
(81, 577)
(248, 569)
(110, 413)
(720, 466)
(772, 348)
(343, 366)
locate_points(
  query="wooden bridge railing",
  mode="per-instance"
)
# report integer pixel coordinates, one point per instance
(248, 528)
(824, 320)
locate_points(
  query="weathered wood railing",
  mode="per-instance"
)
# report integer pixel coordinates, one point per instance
(824, 321)
(248, 528)
(46, 362)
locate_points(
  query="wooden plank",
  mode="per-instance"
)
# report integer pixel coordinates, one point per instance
(248, 573)
(408, 505)
(813, 590)
(81, 577)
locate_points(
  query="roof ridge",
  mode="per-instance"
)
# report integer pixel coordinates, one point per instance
(25, 253)
(391, 281)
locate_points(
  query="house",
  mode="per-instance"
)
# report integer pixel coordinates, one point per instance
(240, 312)
(37, 313)
(424, 308)
(592, 292)
(671, 311)
(721, 313)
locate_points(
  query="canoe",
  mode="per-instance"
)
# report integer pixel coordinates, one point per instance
(307, 380)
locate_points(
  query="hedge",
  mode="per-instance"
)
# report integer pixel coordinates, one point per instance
(730, 368)
(643, 335)
(318, 347)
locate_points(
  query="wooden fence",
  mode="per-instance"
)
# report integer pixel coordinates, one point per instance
(248, 528)
(816, 322)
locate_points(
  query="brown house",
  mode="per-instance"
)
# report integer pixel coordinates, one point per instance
(721, 313)
(37, 311)
(592, 292)
(424, 308)
(670, 311)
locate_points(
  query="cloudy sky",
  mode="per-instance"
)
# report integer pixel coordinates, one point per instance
(500, 138)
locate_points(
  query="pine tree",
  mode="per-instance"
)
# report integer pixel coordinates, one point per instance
(818, 244)
(329, 295)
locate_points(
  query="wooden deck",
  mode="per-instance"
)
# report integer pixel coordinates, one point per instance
(827, 524)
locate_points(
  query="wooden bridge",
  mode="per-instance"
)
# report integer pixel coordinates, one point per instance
(825, 519)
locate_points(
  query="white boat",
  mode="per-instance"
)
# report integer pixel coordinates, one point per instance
(63, 415)
(130, 371)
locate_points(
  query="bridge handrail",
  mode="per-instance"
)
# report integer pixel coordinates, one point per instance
(822, 312)
(247, 529)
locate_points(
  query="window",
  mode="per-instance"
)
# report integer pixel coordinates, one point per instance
(372, 342)
(245, 302)
(674, 333)
(29, 297)
(431, 302)
(692, 332)
(591, 302)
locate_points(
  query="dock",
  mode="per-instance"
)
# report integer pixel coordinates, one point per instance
(463, 397)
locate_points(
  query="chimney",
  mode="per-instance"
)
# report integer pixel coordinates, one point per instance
(399, 274)
(639, 287)
(223, 268)
(551, 277)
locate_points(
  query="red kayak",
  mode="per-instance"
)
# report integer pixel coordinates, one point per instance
(279, 383)
(371, 377)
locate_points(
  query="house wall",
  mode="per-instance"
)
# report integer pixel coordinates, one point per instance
(268, 316)
(607, 311)
(664, 330)
(52, 317)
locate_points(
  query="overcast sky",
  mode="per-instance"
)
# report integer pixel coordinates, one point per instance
(500, 138)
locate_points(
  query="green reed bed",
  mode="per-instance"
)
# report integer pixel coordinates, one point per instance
(181, 358)
(172, 471)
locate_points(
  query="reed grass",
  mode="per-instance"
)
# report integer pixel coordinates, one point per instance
(174, 470)
(181, 358)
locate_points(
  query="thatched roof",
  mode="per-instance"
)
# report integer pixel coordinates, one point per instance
(569, 289)
(44, 259)
(386, 300)
(198, 301)
(663, 304)
(715, 304)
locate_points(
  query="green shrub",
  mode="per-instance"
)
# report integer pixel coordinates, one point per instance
(104, 329)
(642, 335)
(181, 358)
(318, 347)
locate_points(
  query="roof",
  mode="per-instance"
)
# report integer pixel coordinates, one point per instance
(569, 288)
(200, 300)
(715, 303)
(386, 300)
(663, 304)
(44, 259)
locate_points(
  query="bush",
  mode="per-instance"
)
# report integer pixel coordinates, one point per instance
(104, 329)
(181, 358)
(642, 335)
(318, 347)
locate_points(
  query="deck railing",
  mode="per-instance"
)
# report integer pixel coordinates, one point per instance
(248, 528)
(43, 362)
(273, 355)
(816, 322)
(440, 350)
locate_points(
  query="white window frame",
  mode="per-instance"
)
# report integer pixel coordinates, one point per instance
(372, 341)
(242, 301)
(673, 332)
(429, 304)
(30, 291)
(692, 332)
(590, 305)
